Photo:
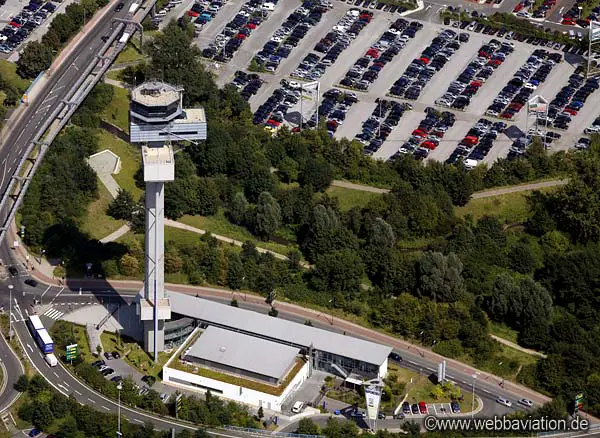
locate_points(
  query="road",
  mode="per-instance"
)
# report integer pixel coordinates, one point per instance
(12, 369)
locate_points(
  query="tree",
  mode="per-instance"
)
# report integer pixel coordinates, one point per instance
(307, 427)
(338, 271)
(437, 392)
(68, 428)
(440, 277)
(22, 383)
(316, 173)
(42, 415)
(235, 272)
(238, 208)
(123, 206)
(129, 265)
(267, 215)
(35, 58)
(521, 258)
(288, 169)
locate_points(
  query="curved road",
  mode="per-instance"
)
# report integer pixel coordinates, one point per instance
(12, 369)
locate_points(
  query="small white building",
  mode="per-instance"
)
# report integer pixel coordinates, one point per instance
(245, 365)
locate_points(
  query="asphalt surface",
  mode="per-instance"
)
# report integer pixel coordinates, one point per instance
(54, 91)
(12, 370)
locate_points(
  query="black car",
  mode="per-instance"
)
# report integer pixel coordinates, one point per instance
(107, 355)
(415, 408)
(119, 7)
(406, 407)
(107, 372)
(116, 354)
(98, 363)
(395, 356)
(31, 282)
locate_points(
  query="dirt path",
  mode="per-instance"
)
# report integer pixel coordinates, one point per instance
(517, 346)
(477, 195)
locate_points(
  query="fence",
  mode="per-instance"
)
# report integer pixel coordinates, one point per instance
(260, 432)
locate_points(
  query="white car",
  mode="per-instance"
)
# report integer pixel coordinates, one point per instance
(504, 402)
(526, 402)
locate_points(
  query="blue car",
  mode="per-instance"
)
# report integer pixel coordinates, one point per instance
(35, 432)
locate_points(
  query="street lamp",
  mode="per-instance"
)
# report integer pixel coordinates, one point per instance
(331, 310)
(119, 388)
(580, 9)
(473, 396)
(10, 330)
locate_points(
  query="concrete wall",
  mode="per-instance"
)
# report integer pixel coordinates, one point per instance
(383, 369)
(234, 392)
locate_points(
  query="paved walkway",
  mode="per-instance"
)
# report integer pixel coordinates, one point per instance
(477, 195)
(517, 346)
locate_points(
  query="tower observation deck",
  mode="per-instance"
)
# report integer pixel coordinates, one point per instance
(157, 118)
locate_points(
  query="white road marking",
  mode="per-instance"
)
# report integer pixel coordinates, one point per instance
(139, 421)
(4, 171)
(30, 349)
(66, 384)
(93, 401)
(106, 408)
(59, 292)
(55, 373)
(47, 289)
(78, 393)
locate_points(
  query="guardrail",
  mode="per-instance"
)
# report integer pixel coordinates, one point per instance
(260, 432)
(63, 112)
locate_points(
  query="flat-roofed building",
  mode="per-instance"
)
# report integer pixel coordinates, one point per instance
(332, 352)
(238, 354)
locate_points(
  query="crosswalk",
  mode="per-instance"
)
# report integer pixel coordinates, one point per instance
(52, 313)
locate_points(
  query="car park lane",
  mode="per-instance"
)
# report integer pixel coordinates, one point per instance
(306, 44)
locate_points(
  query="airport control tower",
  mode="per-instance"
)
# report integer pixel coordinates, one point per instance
(157, 118)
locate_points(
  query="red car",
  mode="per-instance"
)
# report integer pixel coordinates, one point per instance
(423, 408)
(419, 132)
(470, 140)
(518, 7)
(193, 14)
(475, 84)
(429, 145)
(570, 111)
(494, 62)
(240, 36)
(424, 60)
(251, 26)
(274, 123)
(14, 24)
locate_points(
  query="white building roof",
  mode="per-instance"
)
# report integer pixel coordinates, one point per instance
(243, 352)
(279, 329)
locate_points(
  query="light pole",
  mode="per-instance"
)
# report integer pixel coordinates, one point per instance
(10, 330)
(473, 396)
(119, 388)
(331, 311)
(580, 9)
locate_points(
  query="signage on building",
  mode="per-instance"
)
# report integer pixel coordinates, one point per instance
(373, 397)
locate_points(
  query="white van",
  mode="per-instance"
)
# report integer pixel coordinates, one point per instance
(297, 408)
(268, 6)
(51, 360)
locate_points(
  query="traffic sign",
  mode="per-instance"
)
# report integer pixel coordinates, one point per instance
(72, 352)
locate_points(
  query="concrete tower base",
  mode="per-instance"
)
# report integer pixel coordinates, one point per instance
(149, 336)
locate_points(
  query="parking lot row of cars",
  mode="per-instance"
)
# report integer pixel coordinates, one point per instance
(476, 73)
(229, 41)
(422, 69)
(290, 33)
(526, 80)
(594, 128)
(477, 143)
(427, 136)
(275, 108)
(20, 26)
(366, 69)
(313, 66)
(374, 4)
(376, 129)
(570, 100)
(333, 108)
(247, 84)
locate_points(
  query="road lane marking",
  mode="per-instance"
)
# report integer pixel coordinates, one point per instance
(93, 401)
(4, 171)
(78, 393)
(29, 346)
(65, 383)
(139, 421)
(106, 408)
(47, 289)
(55, 373)
(59, 292)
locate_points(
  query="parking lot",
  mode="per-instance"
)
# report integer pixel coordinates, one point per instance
(25, 21)
(360, 51)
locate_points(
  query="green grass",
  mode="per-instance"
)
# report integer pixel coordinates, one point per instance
(117, 112)
(420, 390)
(219, 224)
(133, 354)
(81, 340)
(503, 331)
(240, 381)
(8, 71)
(129, 54)
(97, 223)
(509, 208)
(351, 198)
(130, 161)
